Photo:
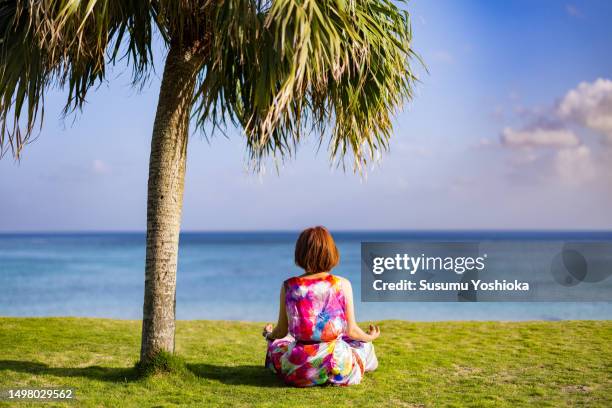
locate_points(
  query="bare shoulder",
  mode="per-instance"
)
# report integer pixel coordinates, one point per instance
(290, 280)
(344, 281)
(287, 283)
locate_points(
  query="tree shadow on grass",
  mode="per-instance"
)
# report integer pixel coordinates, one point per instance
(111, 374)
(256, 375)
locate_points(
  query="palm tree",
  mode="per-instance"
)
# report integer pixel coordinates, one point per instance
(279, 69)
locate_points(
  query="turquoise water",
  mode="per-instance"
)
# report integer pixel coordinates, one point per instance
(223, 276)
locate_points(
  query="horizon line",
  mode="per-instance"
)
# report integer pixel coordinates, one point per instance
(368, 230)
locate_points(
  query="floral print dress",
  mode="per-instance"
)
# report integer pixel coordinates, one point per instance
(316, 351)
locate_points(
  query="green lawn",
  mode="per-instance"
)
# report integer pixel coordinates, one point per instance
(421, 364)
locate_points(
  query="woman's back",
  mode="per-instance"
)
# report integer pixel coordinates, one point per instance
(317, 340)
(315, 308)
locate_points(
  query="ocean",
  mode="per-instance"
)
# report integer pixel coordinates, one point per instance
(227, 275)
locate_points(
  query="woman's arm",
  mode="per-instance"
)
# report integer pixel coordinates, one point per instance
(282, 325)
(352, 329)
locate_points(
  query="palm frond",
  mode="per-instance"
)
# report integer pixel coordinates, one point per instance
(284, 68)
(68, 44)
(280, 69)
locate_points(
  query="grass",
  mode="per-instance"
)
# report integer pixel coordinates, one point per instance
(456, 364)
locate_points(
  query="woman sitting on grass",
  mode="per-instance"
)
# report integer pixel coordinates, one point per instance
(316, 340)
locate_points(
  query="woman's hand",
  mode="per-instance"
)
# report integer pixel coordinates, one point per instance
(267, 329)
(374, 332)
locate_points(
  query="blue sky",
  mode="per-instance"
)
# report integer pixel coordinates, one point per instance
(511, 129)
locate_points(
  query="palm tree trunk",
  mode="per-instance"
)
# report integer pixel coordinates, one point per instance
(165, 200)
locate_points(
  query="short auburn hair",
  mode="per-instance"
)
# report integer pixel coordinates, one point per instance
(316, 251)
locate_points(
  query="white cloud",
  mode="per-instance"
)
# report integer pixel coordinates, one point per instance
(100, 167)
(484, 142)
(575, 165)
(525, 156)
(590, 105)
(573, 11)
(548, 144)
(539, 137)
